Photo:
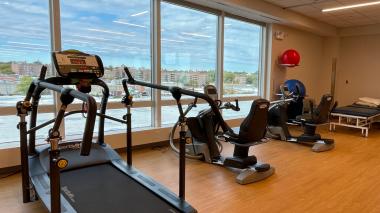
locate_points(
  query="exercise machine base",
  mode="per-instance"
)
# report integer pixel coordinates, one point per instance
(317, 144)
(251, 175)
(254, 173)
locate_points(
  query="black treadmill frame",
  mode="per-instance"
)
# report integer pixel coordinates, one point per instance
(28, 150)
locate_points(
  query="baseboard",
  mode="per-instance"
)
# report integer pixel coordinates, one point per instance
(9, 170)
(144, 146)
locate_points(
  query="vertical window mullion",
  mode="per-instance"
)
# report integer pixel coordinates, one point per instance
(266, 62)
(261, 75)
(55, 38)
(156, 60)
(220, 55)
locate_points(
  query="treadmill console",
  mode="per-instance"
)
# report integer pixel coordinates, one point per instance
(76, 64)
(211, 91)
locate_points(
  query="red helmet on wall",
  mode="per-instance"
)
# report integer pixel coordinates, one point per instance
(290, 58)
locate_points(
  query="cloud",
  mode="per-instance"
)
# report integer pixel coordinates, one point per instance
(194, 31)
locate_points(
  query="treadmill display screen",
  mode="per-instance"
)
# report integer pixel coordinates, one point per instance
(211, 91)
(75, 64)
(77, 61)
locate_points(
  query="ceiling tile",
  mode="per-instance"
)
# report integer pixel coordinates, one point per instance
(342, 18)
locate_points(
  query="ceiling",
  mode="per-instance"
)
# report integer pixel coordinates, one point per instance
(343, 18)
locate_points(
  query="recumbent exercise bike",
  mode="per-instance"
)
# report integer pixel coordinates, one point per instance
(206, 131)
(278, 121)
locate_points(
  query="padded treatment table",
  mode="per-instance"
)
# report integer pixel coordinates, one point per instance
(355, 116)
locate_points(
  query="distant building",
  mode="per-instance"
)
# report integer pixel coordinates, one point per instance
(241, 79)
(8, 85)
(27, 69)
(189, 78)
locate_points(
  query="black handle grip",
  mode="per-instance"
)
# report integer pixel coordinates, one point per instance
(127, 99)
(195, 101)
(43, 73)
(237, 105)
(90, 120)
(130, 78)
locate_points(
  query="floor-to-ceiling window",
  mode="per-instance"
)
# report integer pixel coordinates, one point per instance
(120, 32)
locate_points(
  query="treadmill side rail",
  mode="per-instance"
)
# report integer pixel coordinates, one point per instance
(41, 183)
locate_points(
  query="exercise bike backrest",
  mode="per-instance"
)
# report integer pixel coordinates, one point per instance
(322, 112)
(253, 127)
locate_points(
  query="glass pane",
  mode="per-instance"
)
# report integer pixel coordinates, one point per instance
(141, 118)
(10, 136)
(170, 114)
(188, 53)
(24, 48)
(117, 31)
(245, 106)
(188, 48)
(242, 43)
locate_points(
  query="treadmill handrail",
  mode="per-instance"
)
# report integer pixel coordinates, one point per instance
(68, 81)
(176, 93)
(91, 109)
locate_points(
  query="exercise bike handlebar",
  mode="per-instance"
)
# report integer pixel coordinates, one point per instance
(91, 110)
(229, 105)
(281, 101)
(176, 93)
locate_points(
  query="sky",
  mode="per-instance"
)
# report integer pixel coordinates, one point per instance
(119, 32)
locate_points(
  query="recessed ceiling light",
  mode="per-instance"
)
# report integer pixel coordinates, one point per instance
(351, 6)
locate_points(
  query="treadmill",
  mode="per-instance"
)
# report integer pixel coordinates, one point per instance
(85, 176)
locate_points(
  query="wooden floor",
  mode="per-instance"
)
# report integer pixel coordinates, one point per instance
(346, 179)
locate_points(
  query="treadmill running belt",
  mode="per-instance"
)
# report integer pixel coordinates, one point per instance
(103, 188)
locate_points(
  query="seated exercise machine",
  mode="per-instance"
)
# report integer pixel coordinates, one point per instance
(252, 131)
(278, 126)
(82, 176)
